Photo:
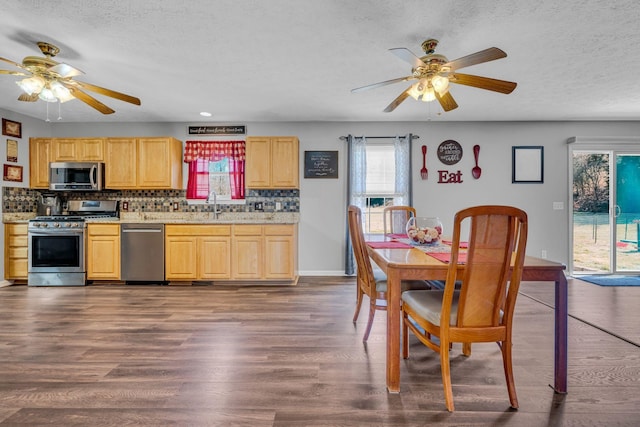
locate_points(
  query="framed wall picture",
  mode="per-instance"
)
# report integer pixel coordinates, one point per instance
(320, 164)
(12, 150)
(12, 173)
(527, 164)
(11, 128)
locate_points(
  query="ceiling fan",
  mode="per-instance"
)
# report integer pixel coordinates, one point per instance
(53, 81)
(434, 72)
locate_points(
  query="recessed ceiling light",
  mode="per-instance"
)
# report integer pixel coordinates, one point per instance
(205, 114)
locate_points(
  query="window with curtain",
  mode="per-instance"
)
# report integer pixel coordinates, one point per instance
(379, 176)
(215, 166)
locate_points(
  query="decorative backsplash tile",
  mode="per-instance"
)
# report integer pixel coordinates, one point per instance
(19, 199)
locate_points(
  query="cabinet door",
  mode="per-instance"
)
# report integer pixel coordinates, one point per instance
(120, 163)
(39, 157)
(247, 250)
(103, 252)
(280, 252)
(214, 255)
(181, 258)
(159, 163)
(15, 251)
(284, 162)
(103, 258)
(91, 150)
(65, 150)
(258, 162)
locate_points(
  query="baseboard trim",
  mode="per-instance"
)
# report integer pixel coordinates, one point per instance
(322, 273)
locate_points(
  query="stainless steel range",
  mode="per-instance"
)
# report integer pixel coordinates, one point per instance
(56, 243)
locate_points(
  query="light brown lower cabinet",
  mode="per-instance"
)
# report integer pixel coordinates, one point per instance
(15, 251)
(103, 252)
(197, 252)
(230, 252)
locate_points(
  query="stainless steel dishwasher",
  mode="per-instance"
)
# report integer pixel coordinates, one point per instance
(142, 253)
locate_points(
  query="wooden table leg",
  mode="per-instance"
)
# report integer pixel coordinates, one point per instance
(561, 320)
(393, 330)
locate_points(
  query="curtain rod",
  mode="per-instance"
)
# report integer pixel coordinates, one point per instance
(344, 138)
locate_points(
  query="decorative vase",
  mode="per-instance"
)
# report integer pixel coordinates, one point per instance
(424, 230)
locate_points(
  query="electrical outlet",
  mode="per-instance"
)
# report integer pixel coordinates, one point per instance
(543, 254)
(175, 206)
(257, 206)
(125, 206)
(278, 206)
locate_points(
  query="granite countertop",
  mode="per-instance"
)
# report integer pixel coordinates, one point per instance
(182, 218)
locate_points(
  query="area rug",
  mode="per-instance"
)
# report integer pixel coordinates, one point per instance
(611, 280)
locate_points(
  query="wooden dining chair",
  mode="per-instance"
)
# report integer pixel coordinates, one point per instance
(371, 282)
(395, 218)
(482, 309)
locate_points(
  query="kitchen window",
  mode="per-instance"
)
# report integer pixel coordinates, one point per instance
(215, 166)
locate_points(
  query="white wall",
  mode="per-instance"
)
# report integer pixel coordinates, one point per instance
(30, 127)
(322, 228)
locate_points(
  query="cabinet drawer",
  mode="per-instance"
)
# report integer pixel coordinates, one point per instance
(247, 230)
(18, 252)
(278, 230)
(18, 241)
(197, 230)
(103, 229)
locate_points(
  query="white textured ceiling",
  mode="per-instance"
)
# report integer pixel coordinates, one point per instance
(297, 60)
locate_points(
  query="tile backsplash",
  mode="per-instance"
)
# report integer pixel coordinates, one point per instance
(24, 200)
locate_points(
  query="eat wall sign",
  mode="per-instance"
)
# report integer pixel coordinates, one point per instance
(449, 152)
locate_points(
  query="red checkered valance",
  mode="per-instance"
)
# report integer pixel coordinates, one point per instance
(214, 150)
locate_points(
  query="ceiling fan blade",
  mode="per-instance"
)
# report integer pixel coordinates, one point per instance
(12, 62)
(65, 70)
(108, 92)
(406, 55)
(380, 84)
(446, 101)
(487, 83)
(28, 98)
(404, 95)
(13, 73)
(88, 99)
(486, 55)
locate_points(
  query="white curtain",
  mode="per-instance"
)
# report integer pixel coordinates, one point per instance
(356, 187)
(402, 149)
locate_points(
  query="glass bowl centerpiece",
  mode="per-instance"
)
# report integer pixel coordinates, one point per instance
(424, 230)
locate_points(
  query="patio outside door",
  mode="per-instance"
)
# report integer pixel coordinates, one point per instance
(606, 211)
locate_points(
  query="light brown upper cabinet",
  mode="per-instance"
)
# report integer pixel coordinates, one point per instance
(40, 154)
(78, 150)
(272, 162)
(143, 163)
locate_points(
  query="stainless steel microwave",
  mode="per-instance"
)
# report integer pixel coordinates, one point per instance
(76, 176)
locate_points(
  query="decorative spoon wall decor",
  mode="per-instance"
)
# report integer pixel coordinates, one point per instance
(476, 171)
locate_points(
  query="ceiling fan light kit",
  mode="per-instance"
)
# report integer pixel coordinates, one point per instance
(435, 72)
(51, 81)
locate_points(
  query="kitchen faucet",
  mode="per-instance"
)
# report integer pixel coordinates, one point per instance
(215, 203)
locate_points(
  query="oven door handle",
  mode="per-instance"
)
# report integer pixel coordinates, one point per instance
(55, 232)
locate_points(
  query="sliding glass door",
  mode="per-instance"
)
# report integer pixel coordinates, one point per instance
(605, 220)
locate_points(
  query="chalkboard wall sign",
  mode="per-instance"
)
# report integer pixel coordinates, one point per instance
(320, 164)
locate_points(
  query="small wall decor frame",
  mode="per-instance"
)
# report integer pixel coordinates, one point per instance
(12, 150)
(527, 164)
(12, 173)
(320, 164)
(11, 128)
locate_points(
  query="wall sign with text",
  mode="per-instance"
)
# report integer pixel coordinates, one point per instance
(320, 164)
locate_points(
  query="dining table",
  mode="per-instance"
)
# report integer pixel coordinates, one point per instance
(407, 262)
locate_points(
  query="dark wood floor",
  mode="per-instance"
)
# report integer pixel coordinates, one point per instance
(290, 356)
